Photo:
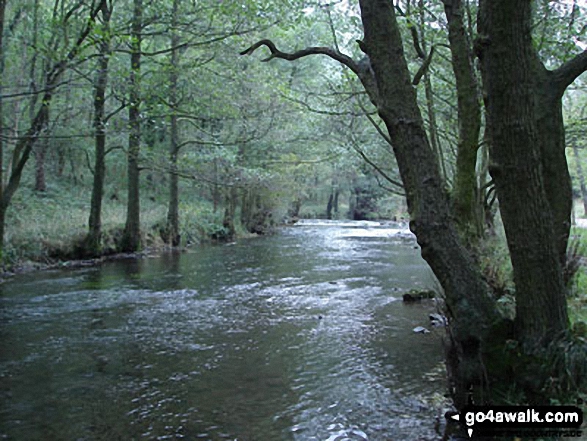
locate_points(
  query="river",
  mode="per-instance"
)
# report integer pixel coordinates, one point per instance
(297, 336)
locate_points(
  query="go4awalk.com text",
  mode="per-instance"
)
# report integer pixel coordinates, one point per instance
(529, 421)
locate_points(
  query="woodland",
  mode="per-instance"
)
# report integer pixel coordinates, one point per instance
(129, 124)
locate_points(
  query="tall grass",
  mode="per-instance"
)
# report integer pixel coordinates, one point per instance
(38, 224)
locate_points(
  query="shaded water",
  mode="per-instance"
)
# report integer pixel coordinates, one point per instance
(297, 336)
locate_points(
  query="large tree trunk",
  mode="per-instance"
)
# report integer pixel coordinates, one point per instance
(469, 112)
(2, 129)
(509, 67)
(93, 240)
(467, 296)
(131, 240)
(173, 211)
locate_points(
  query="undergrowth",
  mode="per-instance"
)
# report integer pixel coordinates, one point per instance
(43, 227)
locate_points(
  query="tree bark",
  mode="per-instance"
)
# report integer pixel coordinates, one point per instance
(466, 294)
(468, 299)
(509, 65)
(3, 206)
(548, 93)
(469, 114)
(173, 211)
(93, 240)
(131, 240)
(329, 205)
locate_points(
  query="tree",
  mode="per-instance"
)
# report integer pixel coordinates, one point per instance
(535, 232)
(465, 198)
(174, 146)
(529, 165)
(93, 240)
(131, 239)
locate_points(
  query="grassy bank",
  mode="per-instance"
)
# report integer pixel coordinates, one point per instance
(45, 227)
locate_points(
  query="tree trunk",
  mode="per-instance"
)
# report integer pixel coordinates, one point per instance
(581, 177)
(40, 148)
(469, 112)
(509, 66)
(215, 187)
(93, 240)
(131, 240)
(2, 129)
(467, 296)
(329, 205)
(230, 213)
(173, 210)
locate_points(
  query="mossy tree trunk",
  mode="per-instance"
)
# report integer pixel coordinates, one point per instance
(464, 195)
(433, 135)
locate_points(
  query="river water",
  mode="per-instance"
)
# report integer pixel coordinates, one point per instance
(299, 336)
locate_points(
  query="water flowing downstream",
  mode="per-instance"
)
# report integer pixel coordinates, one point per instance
(297, 336)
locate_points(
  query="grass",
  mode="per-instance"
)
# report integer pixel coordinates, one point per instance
(40, 225)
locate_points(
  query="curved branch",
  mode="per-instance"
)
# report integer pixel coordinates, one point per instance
(569, 71)
(361, 69)
(276, 53)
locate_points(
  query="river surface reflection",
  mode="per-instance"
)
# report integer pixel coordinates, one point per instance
(297, 336)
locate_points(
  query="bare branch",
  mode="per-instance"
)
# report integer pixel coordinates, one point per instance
(276, 53)
(361, 69)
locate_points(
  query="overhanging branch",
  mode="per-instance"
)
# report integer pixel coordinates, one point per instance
(361, 69)
(329, 52)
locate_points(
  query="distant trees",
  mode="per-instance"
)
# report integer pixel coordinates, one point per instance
(63, 59)
(150, 97)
